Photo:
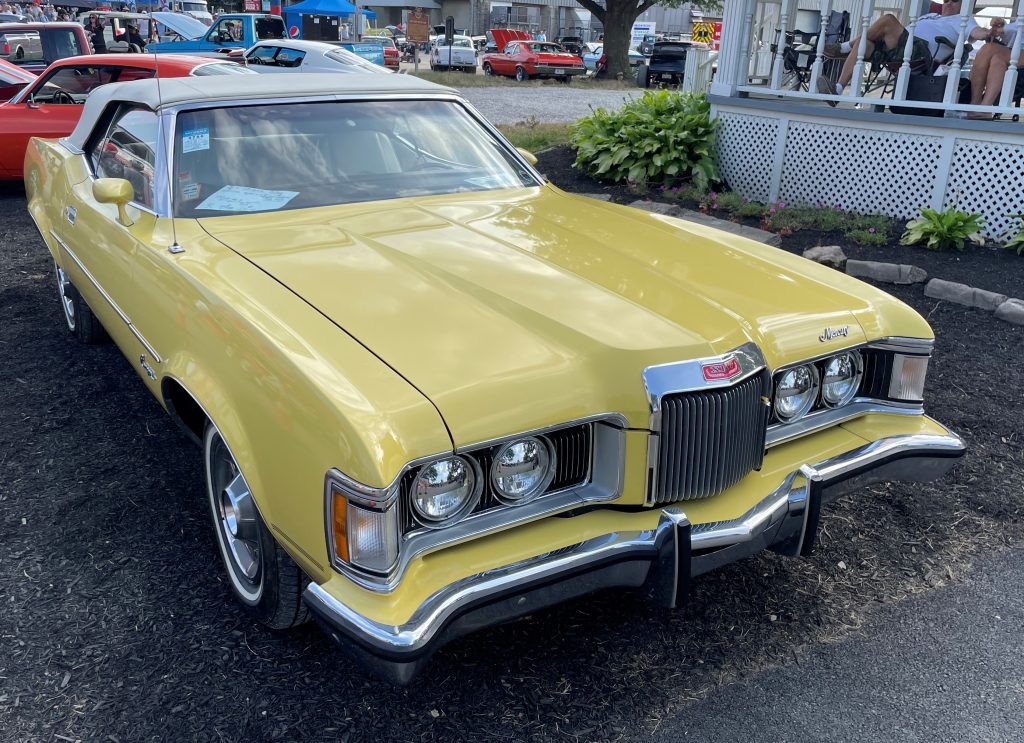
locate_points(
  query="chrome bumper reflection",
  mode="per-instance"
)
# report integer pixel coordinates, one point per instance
(661, 560)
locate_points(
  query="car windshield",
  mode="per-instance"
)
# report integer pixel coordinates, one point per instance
(241, 159)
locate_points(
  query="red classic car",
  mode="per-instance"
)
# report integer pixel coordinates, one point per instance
(523, 58)
(392, 57)
(51, 106)
(13, 79)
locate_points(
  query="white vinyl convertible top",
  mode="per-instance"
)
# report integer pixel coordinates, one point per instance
(183, 90)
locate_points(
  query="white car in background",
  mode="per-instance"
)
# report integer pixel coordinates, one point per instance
(296, 55)
(461, 55)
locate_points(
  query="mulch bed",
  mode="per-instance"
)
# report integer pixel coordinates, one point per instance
(988, 267)
(115, 623)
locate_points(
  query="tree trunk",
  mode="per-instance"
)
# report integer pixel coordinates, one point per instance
(618, 24)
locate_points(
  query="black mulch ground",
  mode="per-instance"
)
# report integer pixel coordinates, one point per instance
(115, 623)
(989, 267)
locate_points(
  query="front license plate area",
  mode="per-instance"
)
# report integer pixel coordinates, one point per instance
(559, 71)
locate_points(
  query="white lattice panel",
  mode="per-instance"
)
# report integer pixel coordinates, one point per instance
(863, 170)
(746, 145)
(988, 177)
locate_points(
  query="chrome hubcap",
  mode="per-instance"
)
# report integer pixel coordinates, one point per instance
(238, 522)
(65, 300)
(236, 516)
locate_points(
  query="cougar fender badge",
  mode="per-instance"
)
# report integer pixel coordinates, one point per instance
(71, 213)
(830, 333)
(719, 370)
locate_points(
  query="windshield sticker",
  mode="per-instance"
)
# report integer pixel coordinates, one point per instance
(193, 140)
(190, 191)
(244, 199)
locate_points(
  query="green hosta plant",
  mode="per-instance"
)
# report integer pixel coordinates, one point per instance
(1017, 241)
(662, 137)
(937, 230)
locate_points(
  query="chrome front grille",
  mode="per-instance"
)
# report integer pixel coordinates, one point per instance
(710, 440)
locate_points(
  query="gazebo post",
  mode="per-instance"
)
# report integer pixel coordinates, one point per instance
(732, 69)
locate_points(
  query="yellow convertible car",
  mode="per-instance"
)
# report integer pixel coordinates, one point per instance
(432, 391)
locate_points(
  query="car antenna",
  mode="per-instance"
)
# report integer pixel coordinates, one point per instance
(174, 248)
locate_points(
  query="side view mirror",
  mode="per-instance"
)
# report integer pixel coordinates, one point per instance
(529, 156)
(115, 191)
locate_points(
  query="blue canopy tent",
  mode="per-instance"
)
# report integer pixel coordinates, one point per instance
(292, 13)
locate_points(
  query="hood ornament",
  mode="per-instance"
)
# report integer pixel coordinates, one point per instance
(830, 333)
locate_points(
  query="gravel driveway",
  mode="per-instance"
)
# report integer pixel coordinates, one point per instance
(555, 103)
(115, 623)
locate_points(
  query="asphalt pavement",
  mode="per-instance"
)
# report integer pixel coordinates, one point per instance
(944, 666)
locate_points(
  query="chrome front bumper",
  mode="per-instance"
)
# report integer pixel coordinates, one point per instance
(661, 560)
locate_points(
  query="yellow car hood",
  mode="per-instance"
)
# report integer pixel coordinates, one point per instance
(513, 310)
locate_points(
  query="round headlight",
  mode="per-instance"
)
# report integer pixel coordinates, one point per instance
(522, 469)
(795, 392)
(841, 380)
(445, 491)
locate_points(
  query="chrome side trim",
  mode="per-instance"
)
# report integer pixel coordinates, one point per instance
(103, 292)
(780, 517)
(605, 483)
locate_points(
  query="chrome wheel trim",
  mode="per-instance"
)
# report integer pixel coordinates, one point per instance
(65, 299)
(235, 520)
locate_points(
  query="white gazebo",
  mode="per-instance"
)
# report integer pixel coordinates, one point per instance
(780, 140)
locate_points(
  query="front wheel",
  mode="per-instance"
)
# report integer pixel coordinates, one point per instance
(262, 576)
(522, 75)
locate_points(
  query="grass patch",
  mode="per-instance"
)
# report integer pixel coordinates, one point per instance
(534, 136)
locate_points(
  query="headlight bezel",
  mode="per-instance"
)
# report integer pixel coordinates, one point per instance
(876, 392)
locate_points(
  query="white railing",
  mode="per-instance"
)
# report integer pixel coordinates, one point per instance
(888, 86)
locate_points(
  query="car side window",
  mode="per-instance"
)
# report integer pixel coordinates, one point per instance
(68, 85)
(223, 31)
(128, 150)
(262, 55)
(289, 57)
(269, 28)
(511, 48)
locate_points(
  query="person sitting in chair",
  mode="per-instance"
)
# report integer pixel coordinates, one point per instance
(990, 65)
(886, 40)
(132, 37)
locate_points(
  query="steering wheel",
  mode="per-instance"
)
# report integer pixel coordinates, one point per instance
(63, 97)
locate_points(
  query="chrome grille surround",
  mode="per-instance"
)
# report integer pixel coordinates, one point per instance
(666, 386)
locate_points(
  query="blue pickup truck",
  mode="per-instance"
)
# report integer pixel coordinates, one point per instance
(229, 31)
(237, 31)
